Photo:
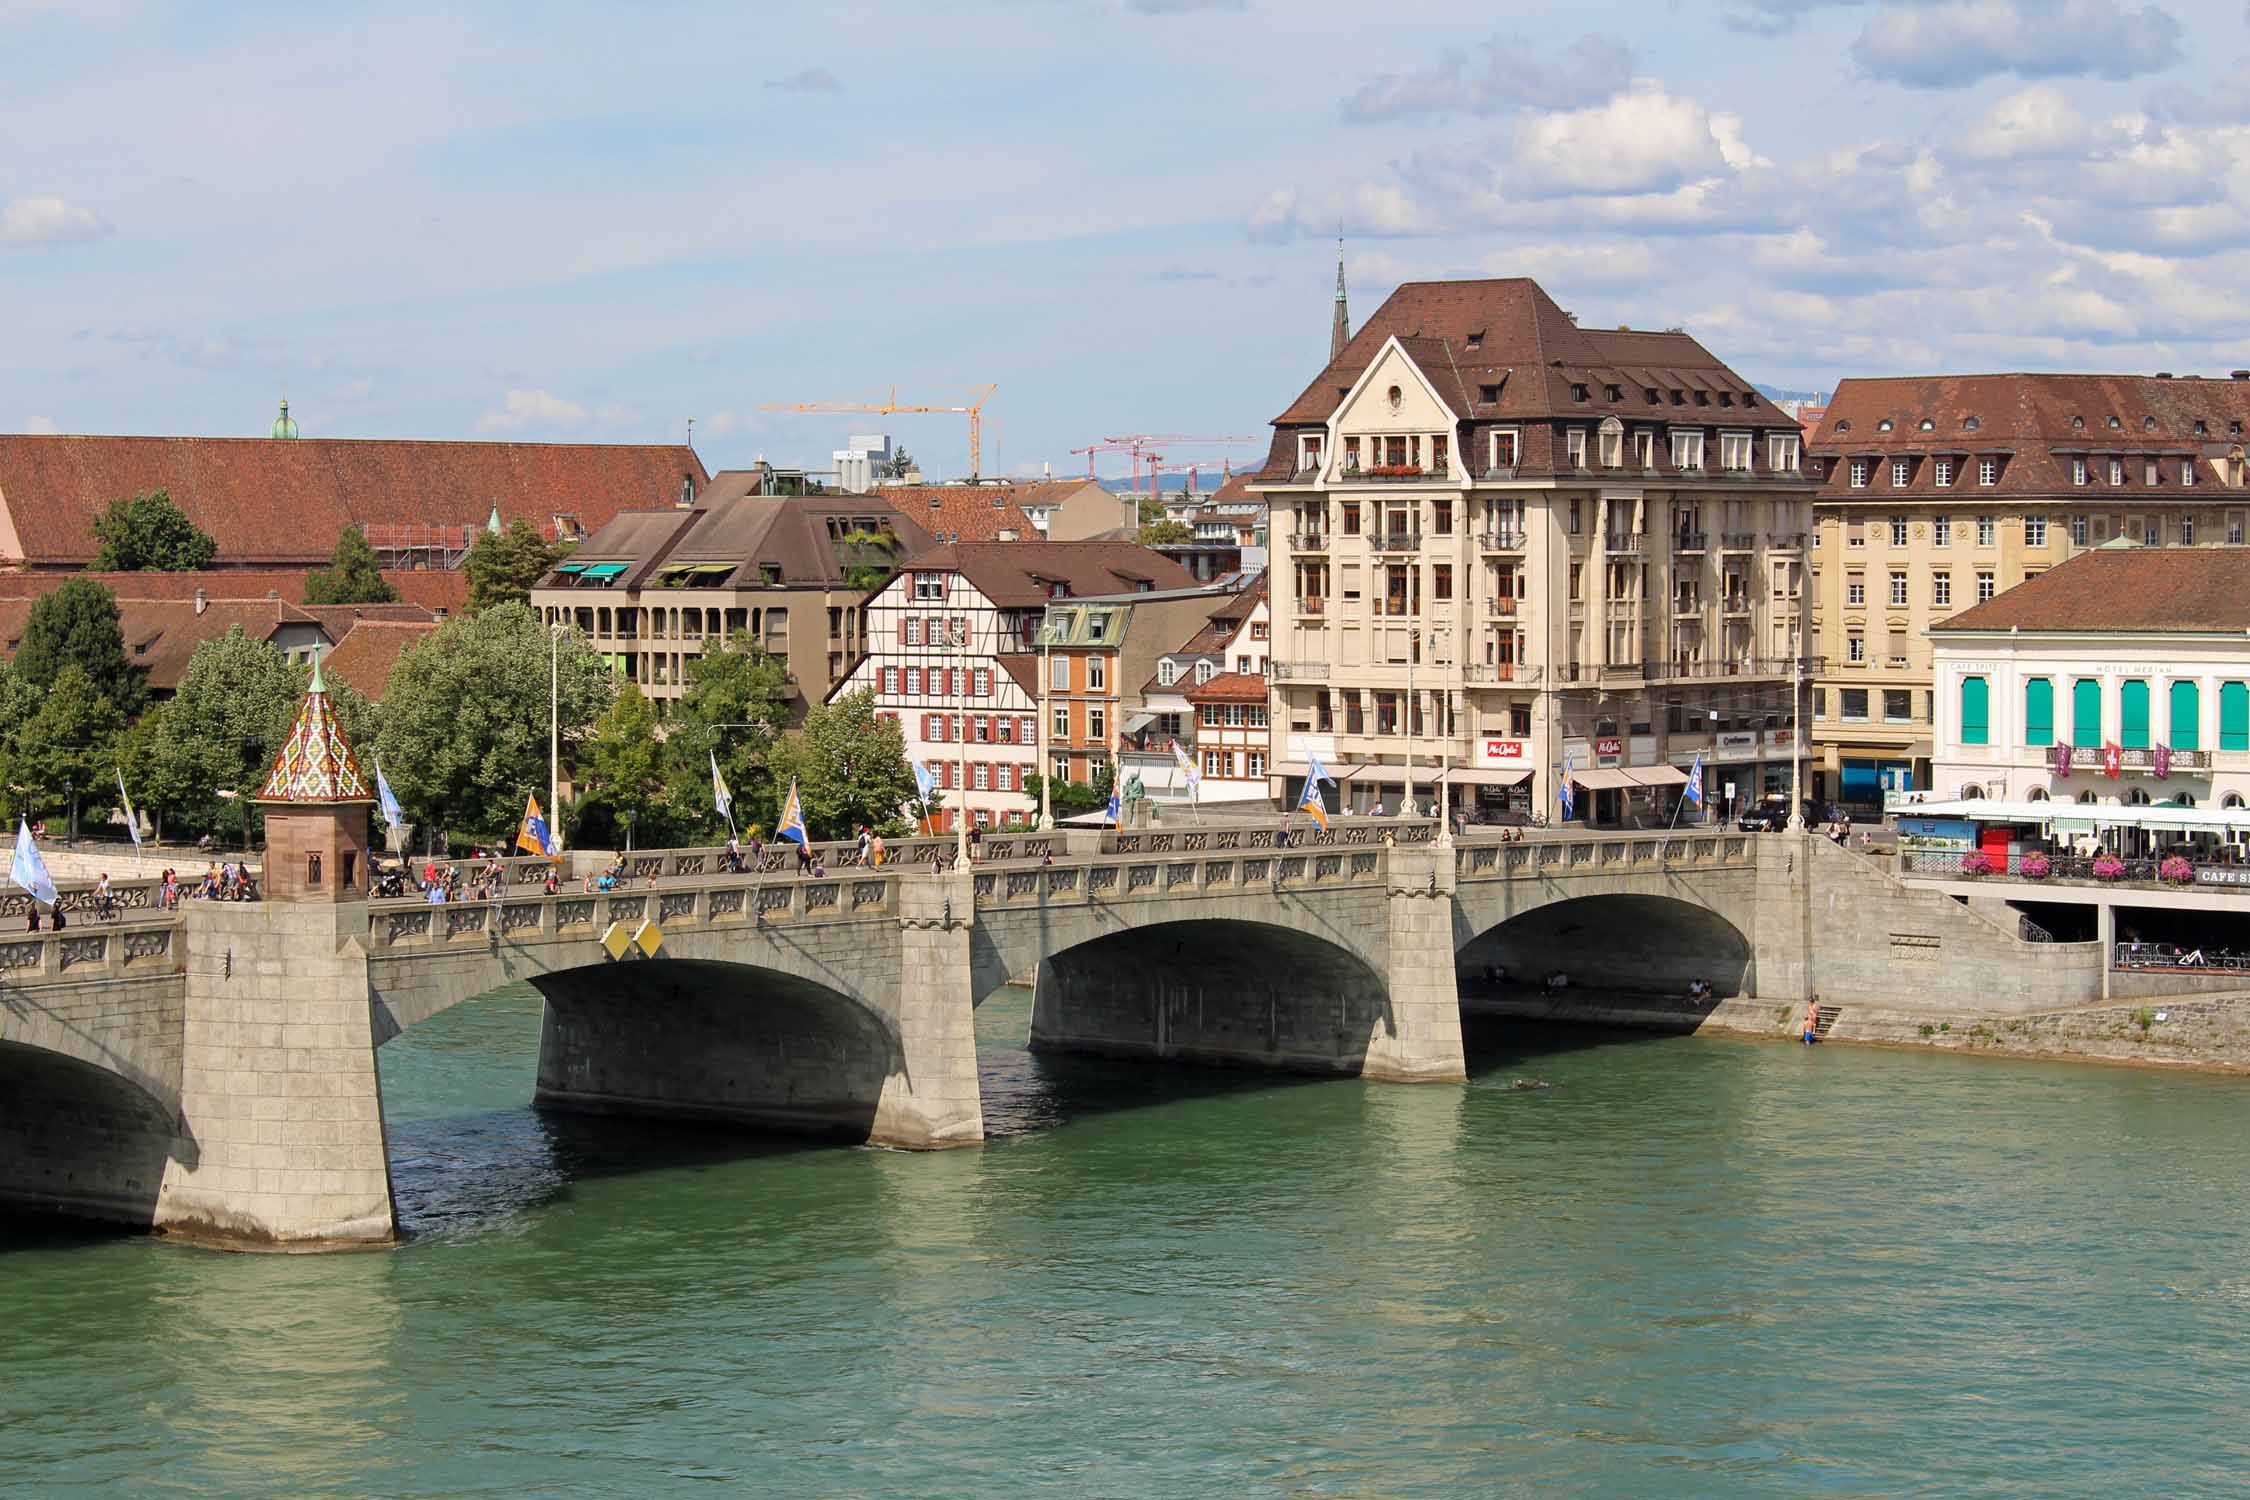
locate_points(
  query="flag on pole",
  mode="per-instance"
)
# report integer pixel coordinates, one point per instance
(1316, 773)
(1187, 766)
(28, 870)
(393, 814)
(1569, 797)
(924, 781)
(1694, 791)
(132, 823)
(721, 798)
(791, 824)
(533, 837)
(1113, 809)
(1312, 804)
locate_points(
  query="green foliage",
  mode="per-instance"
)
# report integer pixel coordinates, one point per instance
(1166, 533)
(734, 684)
(901, 465)
(503, 567)
(147, 533)
(68, 745)
(77, 625)
(351, 576)
(1151, 509)
(624, 774)
(463, 733)
(1070, 798)
(850, 765)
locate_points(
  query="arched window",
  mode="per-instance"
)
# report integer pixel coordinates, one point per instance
(1971, 792)
(2187, 716)
(2233, 802)
(2234, 716)
(2088, 799)
(2132, 713)
(1612, 434)
(2037, 794)
(2039, 711)
(1976, 711)
(2086, 713)
(2137, 797)
(2180, 799)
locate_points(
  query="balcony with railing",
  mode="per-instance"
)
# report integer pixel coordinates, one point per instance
(1736, 604)
(1738, 541)
(1502, 605)
(2063, 759)
(1691, 541)
(1625, 541)
(1308, 541)
(1312, 604)
(1505, 671)
(1787, 541)
(1297, 671)
(1397, 541)
(1500, 541)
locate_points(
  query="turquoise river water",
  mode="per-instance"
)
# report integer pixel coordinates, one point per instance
(1690, 1267)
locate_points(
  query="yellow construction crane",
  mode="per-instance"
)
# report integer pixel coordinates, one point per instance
(975, 410)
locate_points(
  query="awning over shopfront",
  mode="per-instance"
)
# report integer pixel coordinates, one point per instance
(1343, 771)
(1139, 722)
(1472, 776)
(2083, 817)
(1658, 775)
(1605, 779)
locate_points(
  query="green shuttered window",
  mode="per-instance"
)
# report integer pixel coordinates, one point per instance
(1976, 711)
(2132, 713)
(2234, 716)
(2187, 716)
(2039, 711)
(2086, 713)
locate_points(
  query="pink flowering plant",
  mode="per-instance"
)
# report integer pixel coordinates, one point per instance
(1976, 862)
(2176, 871)
(2035, 866)
(2108, 866)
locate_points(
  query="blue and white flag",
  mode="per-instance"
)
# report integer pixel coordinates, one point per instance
(1312, 804)
(1694, 791)
(1315, 772)
(28, 870)
(393, 814)
(925, 781)
(791, 824)
(721, 798)
(1113, 809)
(132, 823)
(1569, 796)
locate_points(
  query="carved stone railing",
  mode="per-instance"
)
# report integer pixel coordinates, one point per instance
(1624, 853)
(103, 952)
(716, 902)
(1349, 832)
(1177, 873)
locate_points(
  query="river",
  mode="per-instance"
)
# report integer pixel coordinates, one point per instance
(1689, 1267)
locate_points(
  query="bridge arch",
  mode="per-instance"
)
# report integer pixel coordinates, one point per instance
(1650, 942)
(1214, 990)
(80, 1138)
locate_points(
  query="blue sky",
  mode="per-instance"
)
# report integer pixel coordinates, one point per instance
(595, 222)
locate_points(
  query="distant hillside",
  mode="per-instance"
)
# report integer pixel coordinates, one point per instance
(1776, 393)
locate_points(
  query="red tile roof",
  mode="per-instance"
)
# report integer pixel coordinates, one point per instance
(366, 656)
(2204, 590)
(1023, 573)
(960, 512)
(1510, 338)
(285, 501)
(2035, 426)
(1229, 687)
(429, 589)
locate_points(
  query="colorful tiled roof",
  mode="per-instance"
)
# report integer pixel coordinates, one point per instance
(317, 765)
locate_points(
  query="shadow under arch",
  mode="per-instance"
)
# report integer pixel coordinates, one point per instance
(1213, 991)
(1636, 943)
(80, 1141)
(703, 1039)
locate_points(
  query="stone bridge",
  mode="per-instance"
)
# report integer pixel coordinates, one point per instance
(215, 1074)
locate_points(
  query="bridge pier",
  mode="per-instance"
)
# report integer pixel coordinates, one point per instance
(281, 1142)
(1419, 1041)
(933, 1097)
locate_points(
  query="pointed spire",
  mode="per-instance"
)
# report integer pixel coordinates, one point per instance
(492, 521)
(1340, 331)
(317, 685)
(283, 425)
(317, 764)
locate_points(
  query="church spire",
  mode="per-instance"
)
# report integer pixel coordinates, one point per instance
(1340, 331)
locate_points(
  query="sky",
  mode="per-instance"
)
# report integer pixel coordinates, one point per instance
(596, 222)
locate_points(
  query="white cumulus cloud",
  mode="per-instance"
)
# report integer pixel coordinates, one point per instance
(40, 426)
(520, 409)
(1642, 141)
(48, 221)
(1953, 43)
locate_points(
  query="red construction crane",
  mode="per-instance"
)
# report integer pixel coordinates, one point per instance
(1150, 444)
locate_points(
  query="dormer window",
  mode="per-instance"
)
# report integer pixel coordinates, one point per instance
(1476, 339)
(1970, 424)
(2077, 424)
(2202, 428)
(2148, 424)
(1488, 395)
(2117, 471)
(687, 489)
(1726, 398)
(1929, 425)
(1612, 435)
(1884, 425)
(1578, 390)
(1679, 398)
(1845, 425)
(1687, 450)
(1167, 672)
(1203, 671)
(1613, 393)
(1734, 452)
(1702, 398)
(1782, 452)
(2114, 424)
(1650, 392)
(1309, 449)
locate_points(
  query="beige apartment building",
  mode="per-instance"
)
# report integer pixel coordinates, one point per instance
(1504, 544)
(1940, 493)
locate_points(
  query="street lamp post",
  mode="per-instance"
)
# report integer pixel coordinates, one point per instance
(555, 631)
(961, 741)
(1046, 771)
(1445, 743)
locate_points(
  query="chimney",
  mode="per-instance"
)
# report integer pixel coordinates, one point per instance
(2163, 374)
(2238, 374)
(202, 601)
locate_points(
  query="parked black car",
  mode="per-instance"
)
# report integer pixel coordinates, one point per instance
(1770, 814)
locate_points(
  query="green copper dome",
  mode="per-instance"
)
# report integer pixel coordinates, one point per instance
(283, 427)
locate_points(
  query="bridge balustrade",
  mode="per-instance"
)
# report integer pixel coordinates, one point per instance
(1125, 877)
(107, 952)
(1558, 856)
(142, 895)
(520, 917)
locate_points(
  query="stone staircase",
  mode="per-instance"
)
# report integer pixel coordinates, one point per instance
(1824, 1019)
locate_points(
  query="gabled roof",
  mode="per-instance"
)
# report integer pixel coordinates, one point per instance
(1023, 573)
(367, 655)
(317, 764)
(1229, 687)
(960, 512)
(426, 589)
(2196, 590)
(281, 501)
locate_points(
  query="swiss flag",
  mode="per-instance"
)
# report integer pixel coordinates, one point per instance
(2113, 761)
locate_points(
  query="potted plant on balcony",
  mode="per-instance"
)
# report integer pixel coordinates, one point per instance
(2175, 870)
(2035, 866)
(1976, 862)
(2108, 866)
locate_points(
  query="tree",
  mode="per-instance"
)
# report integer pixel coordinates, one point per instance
(1068, 799)
(77, 625)
(463, 732)
(624, 761)
(19, 700)
(223, 729)
(147, 533)
(351, 576)
(67, 750)
(737, 704)
(503, 566)
(850, 767)
(1151, 508)
(901, 464)
(1166, 534)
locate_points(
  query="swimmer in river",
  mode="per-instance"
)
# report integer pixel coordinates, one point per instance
(1530, 1083)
